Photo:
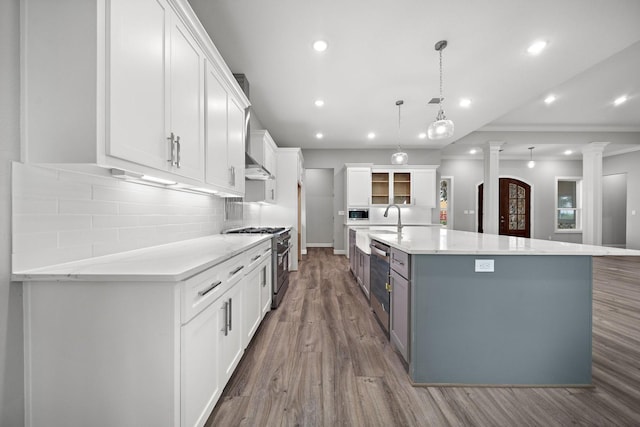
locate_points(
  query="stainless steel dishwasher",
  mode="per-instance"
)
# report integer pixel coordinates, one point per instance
(380, 283)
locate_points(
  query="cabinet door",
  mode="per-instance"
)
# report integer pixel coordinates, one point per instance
(236, 145)
(380, 188)
(366, 274)
(400, 311)
(266, 283)
(424, 187)
(358, 187)
(229, 309)
(200, 382)
(402, 188)
(217, 152)
(187, 107)
(137, 73)
(352, 251)
(270, 164)
(251, 308)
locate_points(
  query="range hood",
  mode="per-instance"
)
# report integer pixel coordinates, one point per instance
(253, 170)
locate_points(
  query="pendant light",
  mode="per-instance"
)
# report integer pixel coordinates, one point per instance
(441, 128)
(399, 157)
(531, 164)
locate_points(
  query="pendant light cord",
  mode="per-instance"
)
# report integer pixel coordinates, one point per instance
(399, 104)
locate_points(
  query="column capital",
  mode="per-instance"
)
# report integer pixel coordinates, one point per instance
(492, 145)
(594, 147)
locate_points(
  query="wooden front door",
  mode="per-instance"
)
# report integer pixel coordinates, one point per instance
(515, 208)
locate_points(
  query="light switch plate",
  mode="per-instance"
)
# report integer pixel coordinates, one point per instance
(484, 266)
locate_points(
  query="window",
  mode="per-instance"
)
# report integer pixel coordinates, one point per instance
(568, 205)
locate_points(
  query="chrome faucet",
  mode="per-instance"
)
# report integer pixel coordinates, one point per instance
(386, 214)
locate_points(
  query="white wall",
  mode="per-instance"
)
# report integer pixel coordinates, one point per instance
(11, 355)
(628, 163)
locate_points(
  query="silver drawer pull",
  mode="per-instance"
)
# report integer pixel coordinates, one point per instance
(226, 318)
(398, 262)
(209, 289)
(255, 258)
(236, 270)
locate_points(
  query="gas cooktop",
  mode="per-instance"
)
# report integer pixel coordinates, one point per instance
(256, 230)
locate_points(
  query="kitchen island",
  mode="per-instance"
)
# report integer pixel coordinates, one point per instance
(485, 309)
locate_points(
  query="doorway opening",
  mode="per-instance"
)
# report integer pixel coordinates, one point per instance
(515, 208)
(319, 200)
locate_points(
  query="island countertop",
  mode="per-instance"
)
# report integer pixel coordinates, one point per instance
(163, 263)
(435, 240)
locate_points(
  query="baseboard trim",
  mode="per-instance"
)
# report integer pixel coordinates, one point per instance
(319, 245)
(339, 252)
(303, 251)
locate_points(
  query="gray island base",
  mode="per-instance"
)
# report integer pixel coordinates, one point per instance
(490, 310)
(526, 323)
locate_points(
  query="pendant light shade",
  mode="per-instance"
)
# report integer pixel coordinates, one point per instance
(399, 157)
(441, 128)
(531, 164)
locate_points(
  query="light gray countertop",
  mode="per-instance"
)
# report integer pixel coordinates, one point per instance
(165, 263)
(436, 240)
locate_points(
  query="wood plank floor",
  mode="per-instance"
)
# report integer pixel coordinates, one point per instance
(320, 359)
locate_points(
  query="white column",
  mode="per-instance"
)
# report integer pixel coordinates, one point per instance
(592, 193)
(491, 192)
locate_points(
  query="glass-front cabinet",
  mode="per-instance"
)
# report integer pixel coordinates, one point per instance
(391, 187)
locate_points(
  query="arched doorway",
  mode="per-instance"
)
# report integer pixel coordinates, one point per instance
(515, 208)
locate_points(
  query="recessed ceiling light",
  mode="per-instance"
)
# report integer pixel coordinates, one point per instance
(568, 152)
(620, 100)
(473, 151)
(319, 102)
(422, 135)
(319, 135)
(536, 47)
(550, 99)
(465, 102)
(371, 135)
(320, 45)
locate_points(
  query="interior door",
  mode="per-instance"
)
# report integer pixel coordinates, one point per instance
(515, 208)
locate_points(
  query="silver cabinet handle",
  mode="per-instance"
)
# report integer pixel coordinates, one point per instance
(226, 318)
(236, 270)
(209, 289)
(178, 152)
(172, 145)
(255, 258)
(273, 195)
(230, 313)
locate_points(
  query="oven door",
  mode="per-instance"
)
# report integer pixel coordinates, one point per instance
(282, 277)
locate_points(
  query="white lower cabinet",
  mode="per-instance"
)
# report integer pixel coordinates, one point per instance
(266, 284)
(143, 352)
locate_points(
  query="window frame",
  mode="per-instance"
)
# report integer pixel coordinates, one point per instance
(577, 209)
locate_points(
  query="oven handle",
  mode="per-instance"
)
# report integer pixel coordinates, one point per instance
(286, 251)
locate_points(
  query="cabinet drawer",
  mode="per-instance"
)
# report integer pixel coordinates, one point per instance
(202, 289)
(400, 262)
(255, 255)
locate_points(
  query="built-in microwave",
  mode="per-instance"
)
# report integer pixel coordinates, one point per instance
(358, 214)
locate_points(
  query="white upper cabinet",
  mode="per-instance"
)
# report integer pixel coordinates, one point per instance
(358, 186)
(138, 88)
(423, 188)
(217, 150)
(263, 151)
(125, 88)
(236, 132)
(224, 136)
(186, 103)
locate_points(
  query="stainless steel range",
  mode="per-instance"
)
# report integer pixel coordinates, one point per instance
(280, 247)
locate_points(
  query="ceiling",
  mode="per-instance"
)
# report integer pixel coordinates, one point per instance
(380, 51)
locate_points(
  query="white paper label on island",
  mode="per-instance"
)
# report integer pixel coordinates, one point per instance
(484, 266)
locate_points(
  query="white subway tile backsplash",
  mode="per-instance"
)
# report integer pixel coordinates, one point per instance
(61, 216)
(22, 205)
(34, 223)
(79, 238)
(87, 207)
